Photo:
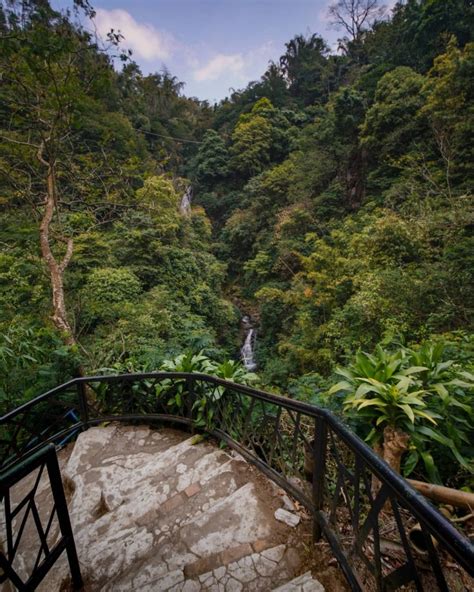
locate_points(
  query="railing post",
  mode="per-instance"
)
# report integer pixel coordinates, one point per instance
(83, 407)
(190, 396)
(63, 519)
(319, 473)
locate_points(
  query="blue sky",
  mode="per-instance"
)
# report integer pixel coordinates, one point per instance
(211, 45)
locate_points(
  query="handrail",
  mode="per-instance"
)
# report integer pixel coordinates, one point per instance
(329, 435)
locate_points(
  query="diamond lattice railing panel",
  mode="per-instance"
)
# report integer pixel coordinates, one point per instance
(281, 438)
(373, 525)
(37, 424)
(30, 524)
(149, 396)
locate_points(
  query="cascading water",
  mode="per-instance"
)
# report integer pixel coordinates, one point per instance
(185, 207)
(247, 351)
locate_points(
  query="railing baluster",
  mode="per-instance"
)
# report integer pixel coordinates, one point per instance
(83, 407)
(190, 399)
(319, 473)
(63, 519)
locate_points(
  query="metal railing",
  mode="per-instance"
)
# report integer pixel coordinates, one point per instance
(361, 507)
(43, 464)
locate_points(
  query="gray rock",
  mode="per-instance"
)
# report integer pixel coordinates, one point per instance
(287, 517)
(304, 583)
(288, 504)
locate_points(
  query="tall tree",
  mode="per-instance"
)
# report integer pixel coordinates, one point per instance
(355, 16)
(51, 71)
(305, 66)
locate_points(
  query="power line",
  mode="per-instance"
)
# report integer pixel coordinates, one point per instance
(168, 137)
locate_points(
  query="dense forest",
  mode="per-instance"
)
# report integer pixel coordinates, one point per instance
(331, 203)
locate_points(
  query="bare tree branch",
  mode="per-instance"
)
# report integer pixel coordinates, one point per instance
(354, 16)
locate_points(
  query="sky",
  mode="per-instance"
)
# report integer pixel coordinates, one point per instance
(211, 45)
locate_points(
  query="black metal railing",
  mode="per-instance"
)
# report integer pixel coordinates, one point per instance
(24, 522)
(359, 505)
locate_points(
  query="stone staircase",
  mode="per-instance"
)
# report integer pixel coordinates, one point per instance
(158, 510)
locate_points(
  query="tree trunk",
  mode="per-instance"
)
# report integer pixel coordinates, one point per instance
(378, 448)
(55, 268)
(395, 443)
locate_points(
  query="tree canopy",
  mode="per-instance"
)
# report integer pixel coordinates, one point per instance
(332, 201)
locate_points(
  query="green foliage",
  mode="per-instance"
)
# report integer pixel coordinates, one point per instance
(419, 392)
(392, 126)
(450, 110)
(205, 396)
(160, 199)
(335, 199)
(32, 360)
(307, 68)
(384, 392)
(260, 137)
(107, 290)
(251, 144)
(212, 158)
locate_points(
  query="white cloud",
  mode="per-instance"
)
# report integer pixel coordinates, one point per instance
(221, 64)
(146, 42)
(237, 68)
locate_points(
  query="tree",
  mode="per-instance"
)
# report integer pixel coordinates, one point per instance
(251, 142)
(305, 66)
(259, 138)
(43, 79)
(212, 159)
(159, 197)
(392, 126)
(52, 77)
(355, 16)
(411, 396)
(450, 110)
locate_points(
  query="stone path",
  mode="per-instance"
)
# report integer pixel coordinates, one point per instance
(162, 511)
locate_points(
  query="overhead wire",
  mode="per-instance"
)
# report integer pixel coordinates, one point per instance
(168, 137)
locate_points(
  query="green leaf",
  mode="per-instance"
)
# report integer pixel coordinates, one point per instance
(340, 386)
(372, 403)
(414, 370)
(467, 375)
(409, 412)
(461, 460)
(441, 390)
(410, 462)
(435, 435)
(426, 416)
(461, 383)
(430, 467)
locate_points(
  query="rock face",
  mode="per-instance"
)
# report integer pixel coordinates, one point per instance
(157, 511)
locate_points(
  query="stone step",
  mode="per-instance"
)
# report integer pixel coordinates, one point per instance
(160, 510)
(230, 533)
(255, 570)
(139, 480)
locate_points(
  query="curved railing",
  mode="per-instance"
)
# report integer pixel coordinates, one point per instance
(363, 509)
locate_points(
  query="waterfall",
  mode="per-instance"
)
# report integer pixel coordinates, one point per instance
(185, 207)
(247, 351)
